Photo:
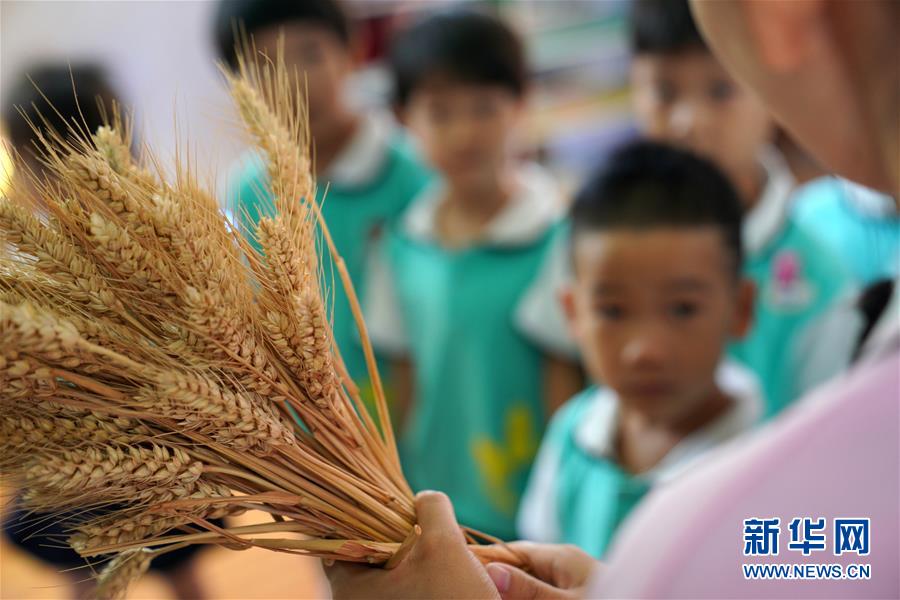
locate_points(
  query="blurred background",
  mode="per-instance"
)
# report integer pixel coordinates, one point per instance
(160, 58)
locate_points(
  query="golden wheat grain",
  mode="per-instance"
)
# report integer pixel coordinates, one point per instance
(47, 424)
(58, 258)
(234, 418)
(133, 525)
(132, 261)
(319, 378)
(135, 472)
(91, 174)
(288, 161)
(116, 149)
(121, 572)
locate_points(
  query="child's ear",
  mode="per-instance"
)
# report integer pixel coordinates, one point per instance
(525, 98)
(746, 299)
(358, 46)
(566, 297)
(399, 113)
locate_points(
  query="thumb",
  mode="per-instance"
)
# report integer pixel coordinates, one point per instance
(434, 513)
(513, 583)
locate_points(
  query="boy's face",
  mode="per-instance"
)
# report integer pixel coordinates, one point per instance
(689, 100)
(652, 310)
(318, 55)
(464, 130)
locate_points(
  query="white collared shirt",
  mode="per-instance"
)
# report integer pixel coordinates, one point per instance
(769, 216)
(361, 160)
(532, 209)
(596, 434)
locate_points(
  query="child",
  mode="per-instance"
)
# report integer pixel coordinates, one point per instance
(804, 325)
(361, 159)
(456, 265)
(657, 294)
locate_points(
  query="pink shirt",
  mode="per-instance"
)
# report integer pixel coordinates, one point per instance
(836, 454)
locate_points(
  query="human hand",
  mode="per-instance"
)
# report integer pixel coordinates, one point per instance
(559, 571)
(439, 565)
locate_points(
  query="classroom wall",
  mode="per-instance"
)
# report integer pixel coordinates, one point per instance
(159, 55)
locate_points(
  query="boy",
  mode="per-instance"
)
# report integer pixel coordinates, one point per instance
(658, 293)
(456, 265)
(803, 328)
(369, 173)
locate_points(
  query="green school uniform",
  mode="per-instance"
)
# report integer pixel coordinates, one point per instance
(369, 185)
(860, 225)
(578, 494)
(478, 411)
(804, 324)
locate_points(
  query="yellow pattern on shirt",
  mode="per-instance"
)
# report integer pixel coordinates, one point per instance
(501, 460)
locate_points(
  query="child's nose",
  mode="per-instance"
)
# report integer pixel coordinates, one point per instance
(683, 120)
(646, 349)
(464, 135)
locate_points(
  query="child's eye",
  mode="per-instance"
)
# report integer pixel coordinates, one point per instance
(438, 113)
(483, 107)
(311, 54)
(666, 92)
(721, 90)
(610, 312)
(684, 310)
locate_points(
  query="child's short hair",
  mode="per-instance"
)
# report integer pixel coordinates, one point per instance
(647, 184)
(257, 14)
(56, 98)
(463, 45)
(663, 27)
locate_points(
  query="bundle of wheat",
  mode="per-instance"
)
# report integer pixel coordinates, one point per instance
(157, 372)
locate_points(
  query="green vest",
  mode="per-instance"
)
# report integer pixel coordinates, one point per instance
(593, 495)
(479, 413)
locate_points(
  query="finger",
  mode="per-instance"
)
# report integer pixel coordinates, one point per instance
(339, 571)
(544, 560)
(435, 514)
(350, 580)
(513, 583)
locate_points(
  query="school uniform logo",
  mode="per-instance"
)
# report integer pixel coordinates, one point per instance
(789, 290)
(503, 462)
